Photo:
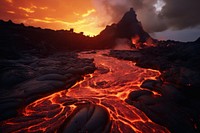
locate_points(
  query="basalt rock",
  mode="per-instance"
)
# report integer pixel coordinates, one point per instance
(89, 118)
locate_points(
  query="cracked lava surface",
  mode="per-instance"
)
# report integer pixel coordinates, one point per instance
(95, 104)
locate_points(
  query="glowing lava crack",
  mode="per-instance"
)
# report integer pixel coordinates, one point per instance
(95, 104)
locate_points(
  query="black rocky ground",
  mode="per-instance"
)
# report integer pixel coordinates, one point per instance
(178, 107)
(27, 79)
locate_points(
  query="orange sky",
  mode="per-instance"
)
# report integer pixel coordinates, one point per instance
(91, 16)
(53, 14)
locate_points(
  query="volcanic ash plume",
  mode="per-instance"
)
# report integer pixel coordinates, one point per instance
(155, 15)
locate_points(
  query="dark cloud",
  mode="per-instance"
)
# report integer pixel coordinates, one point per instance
(176, 14)
(181, 14)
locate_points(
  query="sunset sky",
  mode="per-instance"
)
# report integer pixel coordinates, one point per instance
(161, 18)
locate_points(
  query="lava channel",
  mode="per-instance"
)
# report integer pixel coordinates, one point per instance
(95, 104)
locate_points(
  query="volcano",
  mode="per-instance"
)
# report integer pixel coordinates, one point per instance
(128, 27)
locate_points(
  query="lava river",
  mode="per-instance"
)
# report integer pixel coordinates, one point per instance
(95, 104)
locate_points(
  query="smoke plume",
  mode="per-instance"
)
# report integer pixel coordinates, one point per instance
(155, 15)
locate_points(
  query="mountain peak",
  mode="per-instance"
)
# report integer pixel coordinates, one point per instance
(130, 27)
(129, 17)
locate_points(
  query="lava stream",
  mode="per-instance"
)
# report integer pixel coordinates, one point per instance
(107, 88)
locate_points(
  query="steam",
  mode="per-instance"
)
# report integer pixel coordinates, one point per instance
(155, 15)
(123, 44)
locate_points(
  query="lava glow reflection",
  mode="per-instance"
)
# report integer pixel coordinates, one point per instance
(107, 87)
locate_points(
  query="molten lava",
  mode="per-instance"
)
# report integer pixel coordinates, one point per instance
(136, 41)
(107, 87)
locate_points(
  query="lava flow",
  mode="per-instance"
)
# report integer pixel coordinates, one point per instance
(95, 104)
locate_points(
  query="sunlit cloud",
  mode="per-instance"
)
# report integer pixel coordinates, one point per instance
(159, 5)
(33, 6)
(43, 8)
(11, 12)
(89, 12)
(54, 20)
(40, 20)
(83, 25)
(75, 13)
(9, 1)
(28, 10)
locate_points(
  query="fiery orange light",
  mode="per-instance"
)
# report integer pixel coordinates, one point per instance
(77, 14)
(107, 87)
(135, 41)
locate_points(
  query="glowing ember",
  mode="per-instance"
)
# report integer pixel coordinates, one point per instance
(135, 41)
(149, 43)
(107, 87)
